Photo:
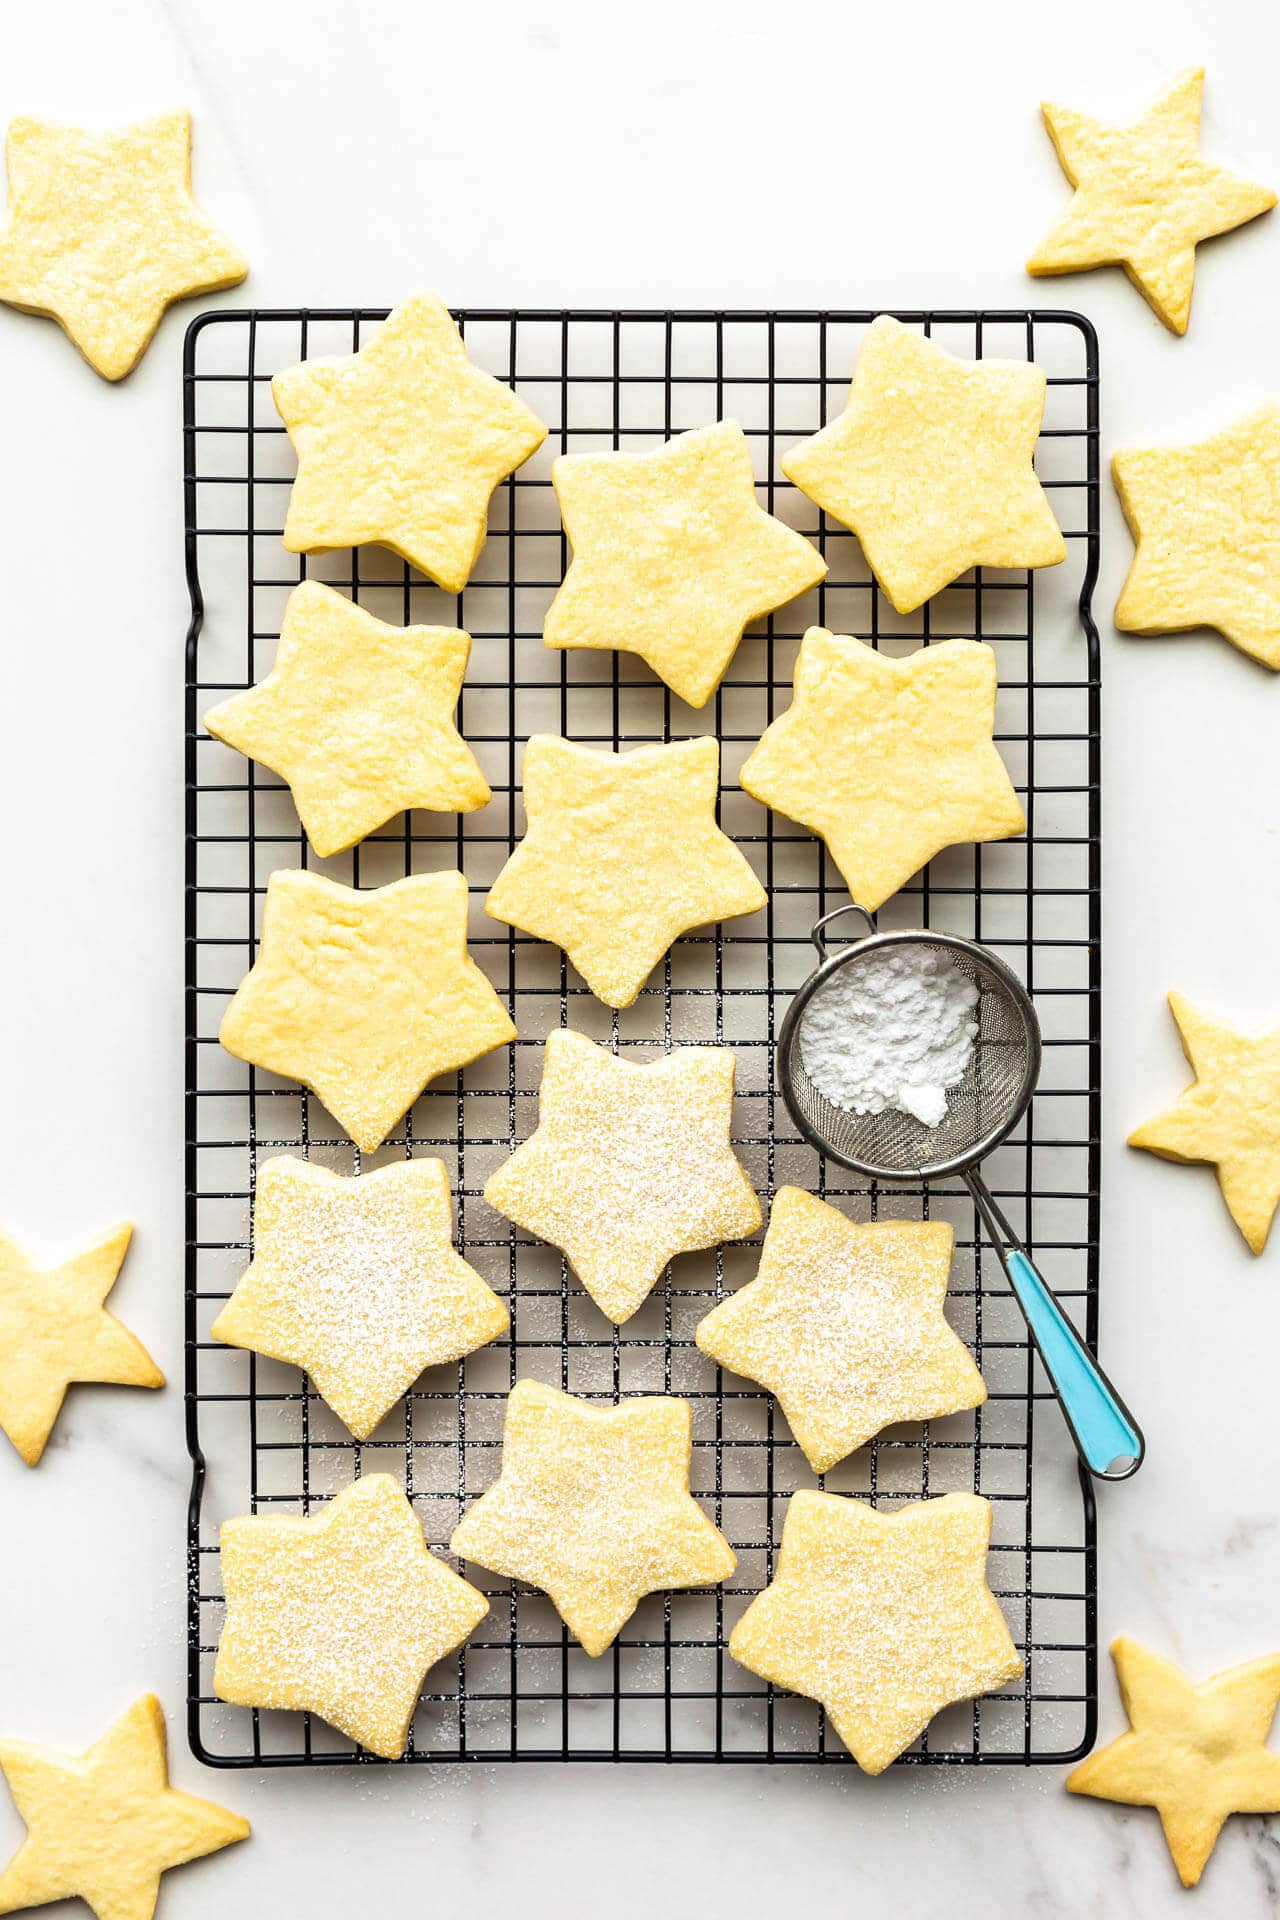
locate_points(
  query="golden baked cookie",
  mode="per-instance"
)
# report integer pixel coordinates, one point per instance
(621, 856)
(1206, 520)
(1195, 1754)
(402, 444)
(673, 556)
(103, 233)
(844, 1323)
(1144, 199)
(364, 994)
(885, 1618)
(357, 1282)
(54, 1329)
(1229, 1116)
(930, 464)
(104, 1825)
(341, 1614)
(357, 717)
(629, 1165)
(887, 760)
(593, 1507)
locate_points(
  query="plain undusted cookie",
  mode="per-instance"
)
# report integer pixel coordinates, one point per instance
(54, 1329)
(341, 1614)
(885, 1618)
(593, 1507)
(103, 1826)
(930, 464)
(1206, 520)
(103, 233)
(629, 1166)
(402, 443)
(1144, 198)
(673, 556)
(1230, 1116)
(622, 855)
(357, 1282)
(357, 717)
(364, 994)
(844, 1323)
(1196, 1754)
(888, 760)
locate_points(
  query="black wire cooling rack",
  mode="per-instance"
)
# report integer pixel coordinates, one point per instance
(260, 1438)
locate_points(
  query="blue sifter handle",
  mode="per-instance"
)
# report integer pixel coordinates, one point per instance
(1108, 1439)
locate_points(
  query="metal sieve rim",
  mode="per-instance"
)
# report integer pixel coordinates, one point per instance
(900, 937)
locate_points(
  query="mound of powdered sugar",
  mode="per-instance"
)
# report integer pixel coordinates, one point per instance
(895, 1030)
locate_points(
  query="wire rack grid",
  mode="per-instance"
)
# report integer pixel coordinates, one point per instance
(260, 1438)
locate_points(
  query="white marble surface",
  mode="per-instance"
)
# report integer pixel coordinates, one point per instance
(523, 153)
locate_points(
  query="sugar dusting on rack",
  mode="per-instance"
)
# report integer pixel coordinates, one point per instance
(896, 1030)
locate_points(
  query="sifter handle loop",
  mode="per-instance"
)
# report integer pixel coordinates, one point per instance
(819, 936)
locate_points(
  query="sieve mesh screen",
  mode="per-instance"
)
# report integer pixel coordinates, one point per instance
(980, 1109)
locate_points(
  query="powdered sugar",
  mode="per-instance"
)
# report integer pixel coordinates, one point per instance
(895, 1030)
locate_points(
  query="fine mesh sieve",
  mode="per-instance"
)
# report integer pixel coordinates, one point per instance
(987, 1104)
(982, 1110)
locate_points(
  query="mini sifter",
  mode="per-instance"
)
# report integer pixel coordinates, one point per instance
(982, 1111)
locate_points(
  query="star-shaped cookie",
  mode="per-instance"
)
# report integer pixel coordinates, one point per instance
(622, 854)
(629, 1166)
(844, 1323)
(341, 1614)
(357, 717)
(593, 1507)
(888, 760)
(885, 1618)
(1229, 1116)
(357, 1282)
(103, 1826)
(402, 443)
(1206, 520)
(54, 1329)
(673, 556)
(1144, 199)
(364, 994)
(103, 233)
(930, 464)
(1196, 1754)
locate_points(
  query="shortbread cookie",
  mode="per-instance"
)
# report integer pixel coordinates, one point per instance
(629, 1166)
(1195, 1754)
(54, 1329)
(930, 464)
(1229, 1116)
(402, 444)
(1206, 520)
(103, 233)
(357, 717)
(888, 760)
(621, 856)
(885, 1618)
(104, 1825)
(593, 1506)
(673, 556)
(364, 994)
(341, 1614)
(844, 1323)
(357, 1282)
(1144, 199)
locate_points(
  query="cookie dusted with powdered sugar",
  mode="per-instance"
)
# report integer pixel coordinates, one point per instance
(630, 1165)
(844, 1322)
(593, 1506)
(357, 1282)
